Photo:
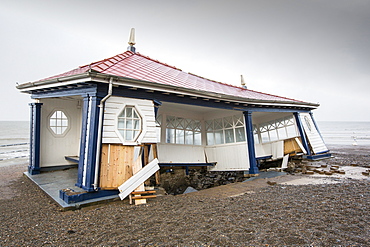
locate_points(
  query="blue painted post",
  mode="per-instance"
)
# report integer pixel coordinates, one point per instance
(250, 142)
(81, 162)
(35, 127)
(301, 133)
(92, 145)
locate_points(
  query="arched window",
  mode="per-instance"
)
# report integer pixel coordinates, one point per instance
(129, 124)
(58, 122)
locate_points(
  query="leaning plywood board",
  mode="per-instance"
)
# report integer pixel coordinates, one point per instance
(132, 183)
(116, 165)
(313, 136)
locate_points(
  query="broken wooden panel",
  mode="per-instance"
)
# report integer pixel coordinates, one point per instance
(291, 147)
(116, 165)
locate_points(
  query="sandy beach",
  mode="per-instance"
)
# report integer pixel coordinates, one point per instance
(323, 211)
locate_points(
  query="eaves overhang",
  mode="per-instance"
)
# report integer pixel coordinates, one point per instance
(147, 85)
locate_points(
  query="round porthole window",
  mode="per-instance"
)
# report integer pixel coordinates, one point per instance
(58, 122)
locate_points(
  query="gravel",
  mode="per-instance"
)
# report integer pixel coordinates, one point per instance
(278, 215)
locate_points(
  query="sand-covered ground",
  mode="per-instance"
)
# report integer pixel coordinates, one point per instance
(330, 213)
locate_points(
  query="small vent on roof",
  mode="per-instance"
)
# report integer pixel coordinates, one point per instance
(131, 41)
(242, 82)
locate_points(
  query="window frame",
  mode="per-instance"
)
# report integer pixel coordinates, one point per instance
(138, 137)
(50, 127)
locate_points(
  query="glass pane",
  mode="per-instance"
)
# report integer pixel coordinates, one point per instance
(210, 138)
(282, 133)
(240, 134)
(229, 135)
(265, 137)
(129, 124)
(58, 114)
(135, 114)
(228, 122)
(53, 122)
(58, 130)
(170, 121)
(170, 135)
(292, 132)
(121, 124)
(54, 115)
(189, 137)
(197, 125)
(219, 137)
(64, 122)
(129, 135)
(63, 129)
(54, 129)
(136, 124)
(256, 139)
(180, 136)
(209, 125)
(273, 135)
(136, 132)
(218, 124)
(197, 138)
(239, 121)
(128, 112)
(62, 115)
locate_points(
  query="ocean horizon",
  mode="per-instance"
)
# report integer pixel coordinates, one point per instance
(14, 137)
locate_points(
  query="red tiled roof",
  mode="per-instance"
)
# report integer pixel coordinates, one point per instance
(140, 67)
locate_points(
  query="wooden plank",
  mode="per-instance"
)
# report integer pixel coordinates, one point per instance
(155, 156)
(116, 165)
(143, 192)
(132, 183)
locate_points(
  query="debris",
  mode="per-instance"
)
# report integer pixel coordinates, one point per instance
(271, 182)
(189, 190)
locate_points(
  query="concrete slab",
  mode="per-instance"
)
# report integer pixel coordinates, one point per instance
(52, 182)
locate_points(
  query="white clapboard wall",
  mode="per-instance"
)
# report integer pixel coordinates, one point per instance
(114, 106)
(229, 157)
(313, 136)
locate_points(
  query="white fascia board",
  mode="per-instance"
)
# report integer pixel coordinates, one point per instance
(140, 177)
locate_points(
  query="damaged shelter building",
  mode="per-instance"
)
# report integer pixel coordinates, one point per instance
(109, 119)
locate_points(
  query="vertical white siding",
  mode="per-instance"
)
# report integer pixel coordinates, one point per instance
(114, 106)
(230, 157)
(175, 153)
(313, 136)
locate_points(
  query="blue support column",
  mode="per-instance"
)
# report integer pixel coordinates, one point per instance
(250, 142)
(81, 162)
(88, 145)
(35, 127)
(301, 133)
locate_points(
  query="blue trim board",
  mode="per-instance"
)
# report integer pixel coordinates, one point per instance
(35, 127)
(317, 156)
(301, 133)
(85, 110)
(93, 137)
(73, 197)
(250, 142)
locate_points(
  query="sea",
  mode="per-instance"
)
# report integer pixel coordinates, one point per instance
(14, 138)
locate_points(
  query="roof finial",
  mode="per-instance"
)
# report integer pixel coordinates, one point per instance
(131, 41)
(242, 82)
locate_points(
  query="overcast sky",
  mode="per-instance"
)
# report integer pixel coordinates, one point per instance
(311, 50)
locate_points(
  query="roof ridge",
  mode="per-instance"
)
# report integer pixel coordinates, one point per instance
(157, 61)
(97, 63)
